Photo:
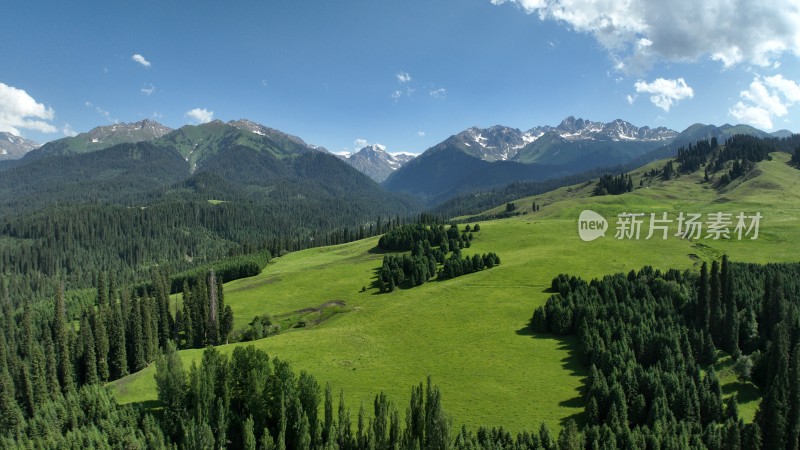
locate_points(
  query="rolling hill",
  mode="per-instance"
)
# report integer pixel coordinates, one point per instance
(471, 333)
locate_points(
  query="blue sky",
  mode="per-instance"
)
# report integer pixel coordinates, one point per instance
(406, 73)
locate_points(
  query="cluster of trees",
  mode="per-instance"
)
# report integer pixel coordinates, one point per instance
(613, 185)
(205, 319)
(429, 248)
(743, 150)
(650, 340)
(44, 356)
(696, 155)
(409, 237)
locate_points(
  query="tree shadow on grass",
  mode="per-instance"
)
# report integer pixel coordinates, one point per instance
(572, 364)
(153, 407)
(745, 392)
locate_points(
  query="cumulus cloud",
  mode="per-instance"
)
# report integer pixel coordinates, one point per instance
(68, 131)
(665, 93)
(140, 59)
(637, 32)
(403, 77)
(19, 111)
(421, 133)
(148, 89)
(200, 115)
(766, 99)
(438, 93)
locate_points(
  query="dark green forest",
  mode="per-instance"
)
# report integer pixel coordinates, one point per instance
(650, 340)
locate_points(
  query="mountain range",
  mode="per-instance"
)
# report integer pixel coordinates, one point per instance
(486, 158)
(472, 160)
(376, 162)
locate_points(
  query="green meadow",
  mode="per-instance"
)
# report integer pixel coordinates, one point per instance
(470, 333)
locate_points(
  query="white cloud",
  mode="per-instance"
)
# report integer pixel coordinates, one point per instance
(68, 131)
(397, 94)
(664, 92)
(637, 32)
(101, 111)
(631, 98)
(148, 90)
(19, 111)
(421, 133)
(264, 82)
(140, 59)
(361, 143)
(403, 77)
(200, 115)
(766, 99)
(438, 93)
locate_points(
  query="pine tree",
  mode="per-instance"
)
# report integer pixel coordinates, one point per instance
(149, 329)
(266, 442)
(570, 438)
(716, 315)
(162, 308)
(248, 436)
(10, 412)
(117, 347)
(61, 334)
(102, 293)
(101, 341)
(774, 408)
(187, 319)
(703, 298)
(213, 313)
(344, 438)
(51, 367)
(88, 360)
(327, 427)
(793, 419)
(133, 337)
(171, 388)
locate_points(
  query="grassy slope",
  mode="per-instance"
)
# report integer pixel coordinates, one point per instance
(470, 333)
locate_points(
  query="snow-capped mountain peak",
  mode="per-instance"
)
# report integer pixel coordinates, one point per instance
(14, 147)
(374, 161)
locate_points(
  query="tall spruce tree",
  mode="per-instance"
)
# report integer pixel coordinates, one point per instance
(66, 375)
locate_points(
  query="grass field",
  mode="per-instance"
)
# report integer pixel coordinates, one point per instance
(470, 334)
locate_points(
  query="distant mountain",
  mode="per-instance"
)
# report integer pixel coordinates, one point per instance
(14, 147)
(561, 144)
(100, 138)
(376, 162)
(238, 162)
(472, 159)
(198, 143)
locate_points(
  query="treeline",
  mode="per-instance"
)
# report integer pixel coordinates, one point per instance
(250, 401)
(74, 244)
(429, 248)
(649, 340)
(475, 202)
(613, 185)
